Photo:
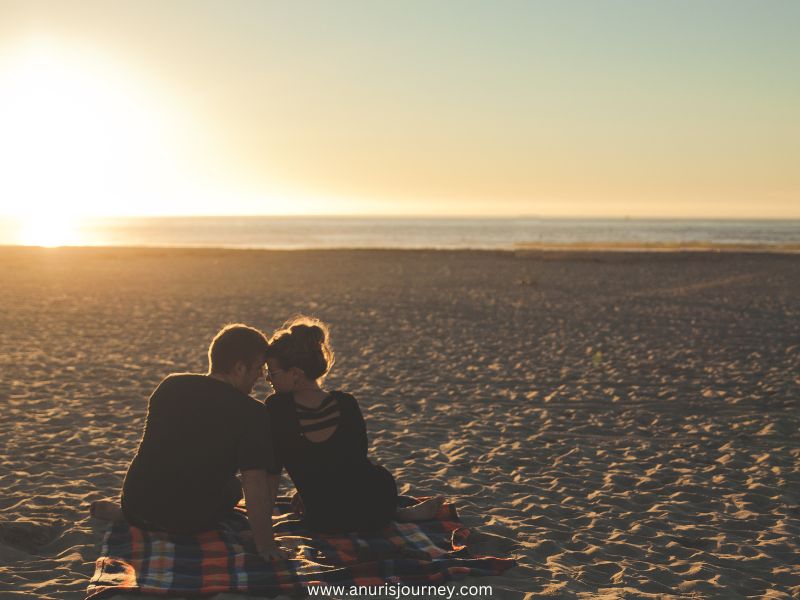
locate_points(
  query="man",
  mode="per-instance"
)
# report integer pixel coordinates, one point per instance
(201, 430)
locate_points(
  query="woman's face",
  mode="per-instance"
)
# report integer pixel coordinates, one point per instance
(281, 380)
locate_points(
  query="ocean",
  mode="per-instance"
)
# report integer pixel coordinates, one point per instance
(372, 232)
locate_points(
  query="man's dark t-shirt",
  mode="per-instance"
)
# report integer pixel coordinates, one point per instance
(199, 432)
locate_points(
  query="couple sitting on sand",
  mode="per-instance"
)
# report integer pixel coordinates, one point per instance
(203, 429)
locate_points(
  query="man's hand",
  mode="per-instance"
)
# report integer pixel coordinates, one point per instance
(270, 551)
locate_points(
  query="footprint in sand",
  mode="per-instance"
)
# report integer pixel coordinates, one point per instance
(27, 535)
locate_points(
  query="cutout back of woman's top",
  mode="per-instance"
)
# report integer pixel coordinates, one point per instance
(318, 424)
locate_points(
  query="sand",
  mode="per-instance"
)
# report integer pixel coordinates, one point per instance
(624, 424)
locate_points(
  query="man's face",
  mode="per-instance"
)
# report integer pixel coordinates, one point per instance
(248, 376)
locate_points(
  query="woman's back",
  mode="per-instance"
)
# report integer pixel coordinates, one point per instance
(324, 450)
(326, 438)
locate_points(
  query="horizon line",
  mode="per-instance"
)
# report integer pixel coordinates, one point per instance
(417, 216)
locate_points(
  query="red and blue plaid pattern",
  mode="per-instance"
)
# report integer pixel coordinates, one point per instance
(225, 560)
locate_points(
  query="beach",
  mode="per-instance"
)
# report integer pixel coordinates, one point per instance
(624, 424)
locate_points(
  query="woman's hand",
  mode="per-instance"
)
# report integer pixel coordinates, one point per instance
(297, 504)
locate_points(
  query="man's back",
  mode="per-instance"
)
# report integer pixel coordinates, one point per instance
(199, 432)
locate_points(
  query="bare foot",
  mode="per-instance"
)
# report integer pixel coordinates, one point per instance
(106, 510)
(423, 511)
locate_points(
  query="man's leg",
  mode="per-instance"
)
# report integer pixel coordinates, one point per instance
(106, 510)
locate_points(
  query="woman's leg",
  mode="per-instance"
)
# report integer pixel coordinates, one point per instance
(385, 509)
(423, 511)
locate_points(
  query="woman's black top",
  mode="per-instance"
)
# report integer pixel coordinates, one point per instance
(341, 489)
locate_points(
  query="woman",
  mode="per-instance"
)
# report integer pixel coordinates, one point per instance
(320, 438)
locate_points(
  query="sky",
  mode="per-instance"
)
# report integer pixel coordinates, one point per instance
(674, 109)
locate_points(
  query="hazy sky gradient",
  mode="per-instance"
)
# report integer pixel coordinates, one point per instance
(638, 108)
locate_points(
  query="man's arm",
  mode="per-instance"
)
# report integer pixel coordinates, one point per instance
(258, 494)
(273, 483)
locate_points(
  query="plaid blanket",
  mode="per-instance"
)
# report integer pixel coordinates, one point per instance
(225, 560)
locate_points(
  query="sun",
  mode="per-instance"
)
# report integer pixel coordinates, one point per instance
(49, 232)
(83, 137)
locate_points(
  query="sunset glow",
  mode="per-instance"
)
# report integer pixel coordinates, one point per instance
(641, 110)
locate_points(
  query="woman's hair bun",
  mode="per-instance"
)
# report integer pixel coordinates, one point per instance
(303, 342)
(312, 333)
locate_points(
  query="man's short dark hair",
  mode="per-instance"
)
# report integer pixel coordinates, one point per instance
(236, 343)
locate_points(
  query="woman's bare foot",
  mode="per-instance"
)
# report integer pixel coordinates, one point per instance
(106, 510)
(423, 511)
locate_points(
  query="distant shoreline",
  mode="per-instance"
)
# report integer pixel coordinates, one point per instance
(427, 234)
(524, 248)
(661, 247)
